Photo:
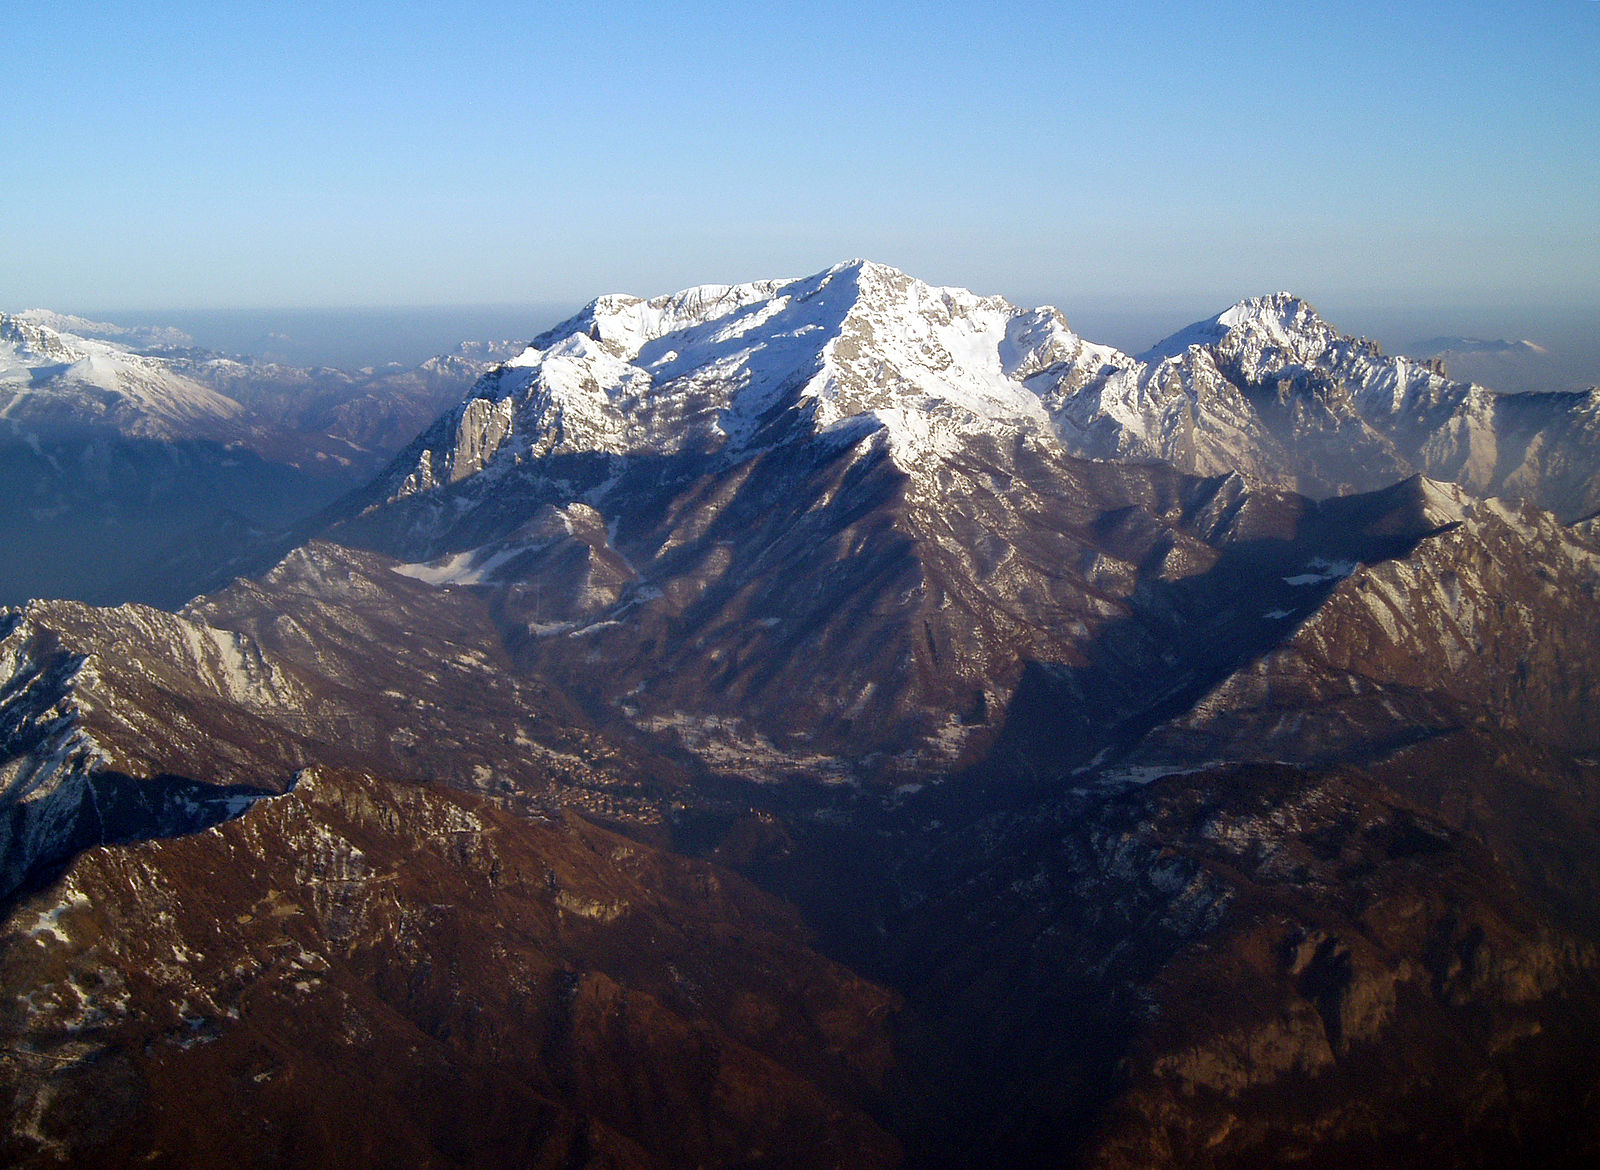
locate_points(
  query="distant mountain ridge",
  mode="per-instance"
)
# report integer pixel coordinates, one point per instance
(137, 466)
(144, 337)
(61, 381)
(1449, 345)
(66, 373)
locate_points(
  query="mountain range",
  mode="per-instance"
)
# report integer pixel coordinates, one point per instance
(843, 721)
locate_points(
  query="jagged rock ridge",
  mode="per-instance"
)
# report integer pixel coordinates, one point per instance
(1267, 388)
(722, 489)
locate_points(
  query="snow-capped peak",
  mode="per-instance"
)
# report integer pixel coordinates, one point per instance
(1280, 313)
(863, 351)
(713, 366)
(1282, 321)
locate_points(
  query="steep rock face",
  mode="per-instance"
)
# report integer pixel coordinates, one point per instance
(1490, 619)
(1546, 444)
(361, 972)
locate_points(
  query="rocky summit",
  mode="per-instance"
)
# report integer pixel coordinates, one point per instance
(844, 722)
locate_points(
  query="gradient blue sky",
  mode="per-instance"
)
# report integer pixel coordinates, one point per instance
(185, 155)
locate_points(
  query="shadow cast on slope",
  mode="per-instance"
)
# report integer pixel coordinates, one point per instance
(40, 838)
(1034, 998)
(1181, 637)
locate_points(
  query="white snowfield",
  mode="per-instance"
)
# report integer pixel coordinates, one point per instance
(1266, 388)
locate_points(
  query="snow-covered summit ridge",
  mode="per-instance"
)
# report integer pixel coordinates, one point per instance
(858, 337)
(864, 353)
(859, 348)
(1270, 389)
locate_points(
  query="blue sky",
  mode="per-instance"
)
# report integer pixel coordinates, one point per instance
(184, 155)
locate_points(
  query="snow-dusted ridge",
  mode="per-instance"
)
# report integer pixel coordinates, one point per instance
(709, 364)
(81, 729)
(1269, 388)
